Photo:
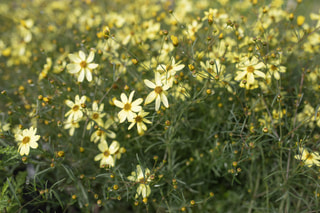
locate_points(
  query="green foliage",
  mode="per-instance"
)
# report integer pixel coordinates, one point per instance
(159, 106)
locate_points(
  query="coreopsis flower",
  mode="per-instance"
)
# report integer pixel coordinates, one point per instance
(181, 91)
(192, 29)
(77, 107)
(106, 158)
(143, 178)
(45, 69)
(249, 70)
(168, 71)
(81, 65)
(140, 120)
(117, 154)
(308, 158)
(158, 92)
(128, 107)
(275, 70)
(308, 116)
(103, 132)
(210, 15)
(27, 138)
(96, 115)
(25, 29)
(4, 127)
(71, 125)
(315, 16)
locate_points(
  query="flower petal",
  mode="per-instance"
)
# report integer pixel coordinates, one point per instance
(118, 103)
(73, 68)
(158, 100)
(131, 96)
(90, 57)
(88, 74)
(124, 98)
(74, 58)
(81, 76)
(92, 66)
(152, 95)
(164, 100)
(114, 147)
(149, 84)
(82, 55)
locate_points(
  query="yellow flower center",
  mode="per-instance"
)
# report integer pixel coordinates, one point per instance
(106, 153)
(142, 180)
(95, 115)
(138, 119)
(83, 64)
(158, 89)
(250, 69)
(99, 132)
(309, 157)
(127, 107)
(75, 108)
(273, 68)
(169, 67)
(26, 140)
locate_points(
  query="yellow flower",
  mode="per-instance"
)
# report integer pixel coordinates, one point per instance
(128, 107)
(174, 40)
(26, 139)
(140, 120)
(300, 20)
(168, 72)
(96, 115)
(82, 65)
(307, 115)
(102, 132)
(106, 158)
(4, 127)
(158, 93)
(71, 125)
(75, 113)
(143, 178)
(276, 70)
(250, 70)
(308, 158)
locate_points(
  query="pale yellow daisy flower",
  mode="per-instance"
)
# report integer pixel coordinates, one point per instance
(96, 115)
(75, 113)
(308, 158)
(82, 65)
(128, 107)
(27, 138)
(106, 158)
(140, 120)
(143, 178)
(158, 93)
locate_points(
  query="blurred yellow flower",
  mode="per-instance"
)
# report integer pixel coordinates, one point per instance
(103, 132)
(308, 158)
(143, 178)
(75, 113)
(300, 20)
(276, 69)
(168, 71)
(27, 138)
(249, 70)
(106, 158)
(71, 125)
(96, 115)
(140, 120)
(82, 65)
